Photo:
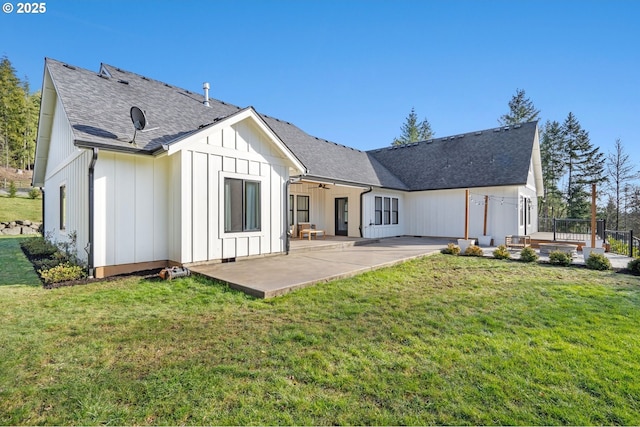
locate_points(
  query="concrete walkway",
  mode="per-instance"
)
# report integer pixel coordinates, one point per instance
(272, 276)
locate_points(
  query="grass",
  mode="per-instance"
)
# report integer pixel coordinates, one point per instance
(14, 208)
(16, 269)
(439, 340)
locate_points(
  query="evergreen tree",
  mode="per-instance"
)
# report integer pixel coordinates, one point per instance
(553, 168)
(620, 171)
(18, 118)
(414, 131)
(521, 110)
(584, 165)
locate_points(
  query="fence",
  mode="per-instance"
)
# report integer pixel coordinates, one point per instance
(21, 185)
(623, 243)
(571, 229)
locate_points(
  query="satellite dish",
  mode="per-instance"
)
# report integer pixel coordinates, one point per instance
(139, 121)
(138, 118)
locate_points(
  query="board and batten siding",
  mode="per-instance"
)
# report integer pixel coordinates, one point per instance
(441, 213)
(131, 209)
(67, 166)
(238, 151)
(370, 229)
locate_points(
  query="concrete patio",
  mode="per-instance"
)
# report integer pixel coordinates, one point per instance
(323, 260)
(272, 276)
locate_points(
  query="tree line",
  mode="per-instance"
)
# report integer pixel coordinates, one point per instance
(570, 164)
(19, 110)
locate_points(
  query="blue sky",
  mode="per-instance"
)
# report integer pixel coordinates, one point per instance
(350, 71)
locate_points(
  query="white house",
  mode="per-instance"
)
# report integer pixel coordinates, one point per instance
(205, 180)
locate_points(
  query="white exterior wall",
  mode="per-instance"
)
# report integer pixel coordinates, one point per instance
(371, 230)
(239, 151)
(131, 209)
(68, 166)
(441, 213)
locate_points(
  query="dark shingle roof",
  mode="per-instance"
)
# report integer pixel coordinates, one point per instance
(98, 111)
(98, 104)
(98, 107)
(492, 157)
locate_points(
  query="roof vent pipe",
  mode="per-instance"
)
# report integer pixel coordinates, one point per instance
(206, 86)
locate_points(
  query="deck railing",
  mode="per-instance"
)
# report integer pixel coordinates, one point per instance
(571, 228)
(623, 243)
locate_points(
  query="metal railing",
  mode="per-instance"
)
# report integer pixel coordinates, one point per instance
(623, 243)
(572, 229)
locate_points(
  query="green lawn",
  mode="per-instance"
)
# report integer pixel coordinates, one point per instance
(15, 269)
(440, 340)
(15, 208)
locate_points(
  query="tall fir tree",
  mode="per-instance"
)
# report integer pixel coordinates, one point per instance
(414, 131)
(12, 103)
(553, 168)
(584, 165)
(18, 118)
(620, 171)
(521, 110)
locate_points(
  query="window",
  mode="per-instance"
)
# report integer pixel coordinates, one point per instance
(63, 207)
(528, 201)
(241, 205)
(378, 219)
(303, 208)
(387, 210)
(290, 209)
(394, 210)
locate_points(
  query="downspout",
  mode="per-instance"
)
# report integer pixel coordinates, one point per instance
(362, 210)
(286, 217)
(92, 166)
(43, 225)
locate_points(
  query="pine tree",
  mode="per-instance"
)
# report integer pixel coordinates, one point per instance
(620, 171)
(12, 113)
(553, 167)
(521, 110)
(412, 131)
(584, 165)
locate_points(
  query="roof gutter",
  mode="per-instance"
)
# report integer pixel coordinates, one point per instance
(90, 243)
(362, 210)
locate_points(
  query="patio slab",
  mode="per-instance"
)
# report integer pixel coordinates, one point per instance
(272, 276)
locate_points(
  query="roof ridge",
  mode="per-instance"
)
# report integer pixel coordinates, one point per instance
(165, 84)
(455, 136)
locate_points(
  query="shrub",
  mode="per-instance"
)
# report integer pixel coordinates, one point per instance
(12, 189)
(560, 258)
(61, 273)
(474, 250)
(38, 247)
(502, 252)
(34, 193)
(528, 255)
(47, 263)
(634, 266)
(598, 262)
(451, 249)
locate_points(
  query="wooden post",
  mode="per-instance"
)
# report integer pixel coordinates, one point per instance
(593, 215)
(466, 214)
(486, 210)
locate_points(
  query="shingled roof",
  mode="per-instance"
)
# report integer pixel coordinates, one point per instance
(97, 105)
(487, 158)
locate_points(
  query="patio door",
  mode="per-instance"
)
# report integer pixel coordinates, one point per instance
(342, 216)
